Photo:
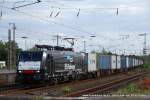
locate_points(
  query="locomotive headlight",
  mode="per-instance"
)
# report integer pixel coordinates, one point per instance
(37, 71)
(20, 71)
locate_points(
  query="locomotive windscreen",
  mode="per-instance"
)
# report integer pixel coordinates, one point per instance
(30, 56)
(30, 60)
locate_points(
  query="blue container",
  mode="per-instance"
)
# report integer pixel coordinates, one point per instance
(123, 62)
(130, 62)
(86, 61)
(105, 61)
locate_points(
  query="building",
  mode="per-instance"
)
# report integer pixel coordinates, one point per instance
(2, 64)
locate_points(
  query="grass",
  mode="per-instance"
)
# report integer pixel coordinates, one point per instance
(66, 89)
(146, 65)
(133, 89)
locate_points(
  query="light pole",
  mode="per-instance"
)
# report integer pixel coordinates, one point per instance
(9, 50)
(84, 46)
(57, 38)
(144, 47)
(24, 37)
(13, 44)
(53, 40)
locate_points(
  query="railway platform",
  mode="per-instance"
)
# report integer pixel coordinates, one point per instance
(7, 76)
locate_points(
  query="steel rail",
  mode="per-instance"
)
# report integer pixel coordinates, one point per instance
(105, 87)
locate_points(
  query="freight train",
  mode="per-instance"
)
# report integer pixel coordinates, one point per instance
(59, 64)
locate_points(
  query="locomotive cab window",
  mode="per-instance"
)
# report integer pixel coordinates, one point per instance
(30, 60)
(30, 56)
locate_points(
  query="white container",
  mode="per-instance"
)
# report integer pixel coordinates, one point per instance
(113, 62)
(92, 62)
(133, 62)
(127, 62)
(118, 62)
(136, 62)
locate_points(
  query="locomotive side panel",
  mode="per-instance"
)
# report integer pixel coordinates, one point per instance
(67, 63)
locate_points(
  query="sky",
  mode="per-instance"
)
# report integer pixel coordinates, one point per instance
(116, 31)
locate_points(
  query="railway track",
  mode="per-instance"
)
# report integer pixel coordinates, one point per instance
(29, 89)
(104, 88)
(5, 87)
(12, 88)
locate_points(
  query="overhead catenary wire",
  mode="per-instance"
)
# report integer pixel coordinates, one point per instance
(51, 14)
(57, 13)
(77, 29)
(82, 9)
(57, 23)
(14, 4)
(38, 1)
(117, 11)
(1, 12)
(25, 31)
(78, 13)
(21, 30)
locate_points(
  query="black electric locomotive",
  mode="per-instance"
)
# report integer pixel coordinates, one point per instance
(54, 64)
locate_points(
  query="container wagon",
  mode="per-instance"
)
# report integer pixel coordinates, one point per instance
(108, 63)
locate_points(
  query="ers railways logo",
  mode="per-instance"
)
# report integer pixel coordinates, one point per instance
(70, 58)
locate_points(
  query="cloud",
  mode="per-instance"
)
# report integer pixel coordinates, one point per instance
(133, 18)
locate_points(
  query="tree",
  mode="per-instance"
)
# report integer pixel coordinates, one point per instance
(106, 52)
(4, 49)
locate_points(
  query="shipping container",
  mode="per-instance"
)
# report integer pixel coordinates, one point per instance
(123, 62)
(127, 62)
(133, 62)
(93, 62)
(118, 62)
(142, 62)
(86, 61)
(139, 62)
(130, 62)
(136, 62)
(107, 61)
(113, 62)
